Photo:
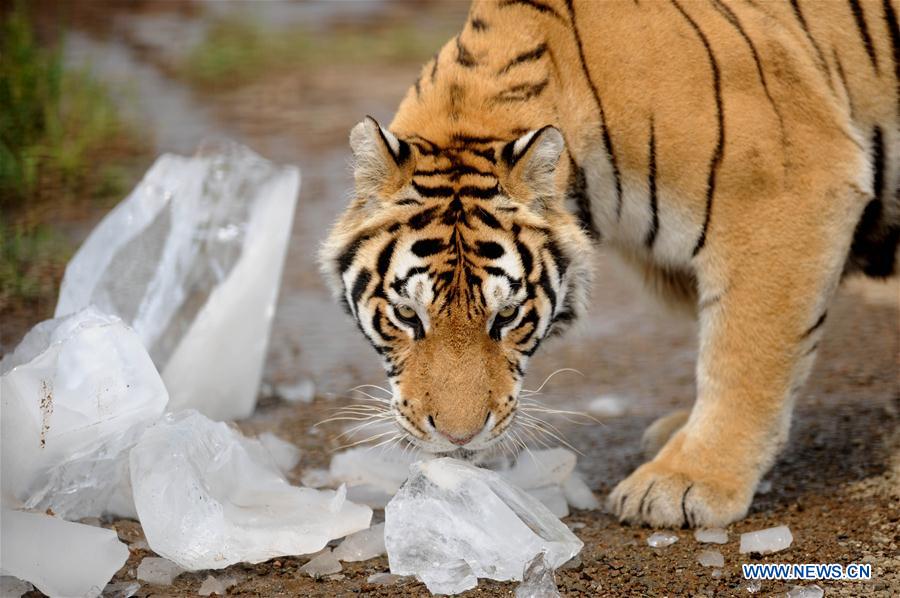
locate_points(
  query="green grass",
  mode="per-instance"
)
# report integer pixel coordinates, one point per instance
(240, 50)
(63, 149)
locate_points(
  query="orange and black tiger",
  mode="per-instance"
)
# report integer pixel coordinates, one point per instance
(744, 155)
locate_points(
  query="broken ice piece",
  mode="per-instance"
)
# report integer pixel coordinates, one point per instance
(766, 541)
(715, 535)
(13, 587)
(363, 545)
(384, 579)
(578, 494)
(121, 589)
(213, 585)
(806, 592)
(608, 406)
(161, 572)
(324, 563)
(752, 586)
(285, 454)
(206, 501)
(301, 392)
(711, 558)
(452, 522)
(382, 469)
(192, 261)
(538, 580)
(76, 394)
(537, 468)
(662, 539)
(764, 487)
(60, 558)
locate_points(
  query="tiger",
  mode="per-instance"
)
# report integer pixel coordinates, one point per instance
(743, 156)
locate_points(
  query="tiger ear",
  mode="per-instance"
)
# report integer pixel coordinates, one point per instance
(383, 162)
(531, 162)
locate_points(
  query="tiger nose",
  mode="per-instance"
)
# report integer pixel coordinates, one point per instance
(458, 440)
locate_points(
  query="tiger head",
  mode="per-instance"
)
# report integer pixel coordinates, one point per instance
(456, 261)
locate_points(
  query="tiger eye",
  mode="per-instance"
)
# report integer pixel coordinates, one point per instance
(405, 311)
(507, 312)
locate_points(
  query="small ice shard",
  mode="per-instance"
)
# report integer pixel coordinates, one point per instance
(285, 454)
(752, 586)
(577, 525)
(553, 498)
(192, 261)
(301, 392)
(363, 545)
(75, 395)
(806, 592)
(121, 589)
(766, 541)
(159, 571)
(764, 487)
(324, 563)
(60, 558)
(578, 494)
(538, 580)
(207, 499)
(317, 478)
(384, 579)
(368, 495)
(608, 406)
(662, 539)
(13, 587)
(711, 558)
(213, 585)
(452, 523)
(715, 535)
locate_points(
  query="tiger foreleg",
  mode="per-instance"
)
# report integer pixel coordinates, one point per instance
(763, 305)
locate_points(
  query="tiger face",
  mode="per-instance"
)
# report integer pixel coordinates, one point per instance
(456, 262)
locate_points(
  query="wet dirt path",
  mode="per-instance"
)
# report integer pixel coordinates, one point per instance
(837, 485)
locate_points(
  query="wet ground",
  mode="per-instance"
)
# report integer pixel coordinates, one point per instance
(837, 485)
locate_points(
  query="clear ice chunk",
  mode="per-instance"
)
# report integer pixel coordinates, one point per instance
(207, 498)
(13, 587)
(324, 563)
(766, 541)
(74, 397)
(159, 571)
(536, 468)
(711, 558)
(662, 539)
(715, 535)
(813, 591)
(285, 454)
(192, 261)
(363, 545)
(384, 579)
(538, 580)
(59, 557)
(452, 523)
(577, 493)
(383, 470)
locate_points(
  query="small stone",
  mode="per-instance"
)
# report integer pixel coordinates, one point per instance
(336, 577)
(752, 586)
(159, 571)
(662, 539)
(711, 558)
(577, 525)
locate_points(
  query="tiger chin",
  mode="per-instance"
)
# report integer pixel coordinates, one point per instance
(745, 157)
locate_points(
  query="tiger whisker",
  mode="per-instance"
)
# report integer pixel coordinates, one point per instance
(547, 379)
(364, 440)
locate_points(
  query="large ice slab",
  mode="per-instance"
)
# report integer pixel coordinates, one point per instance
(74, 397)
(207, 497)
(192, 261)
(60, 558)
(452, 523)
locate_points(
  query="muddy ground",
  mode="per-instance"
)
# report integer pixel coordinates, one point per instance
(837, 484)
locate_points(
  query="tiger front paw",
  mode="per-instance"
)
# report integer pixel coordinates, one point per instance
(663, 493)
